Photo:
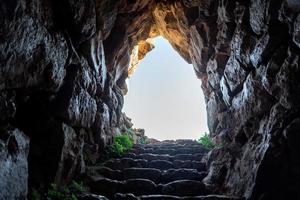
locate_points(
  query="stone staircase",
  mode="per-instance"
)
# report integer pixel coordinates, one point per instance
(165, 170)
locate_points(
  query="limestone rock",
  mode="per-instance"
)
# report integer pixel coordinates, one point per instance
(258, 15)
(75, 99)
(14, 149)
(71, 160)
(235, 75)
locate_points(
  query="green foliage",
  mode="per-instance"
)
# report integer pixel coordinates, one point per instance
(121, 144)
(67, 192)
(116, 150)
(206, 141)
(124, 140)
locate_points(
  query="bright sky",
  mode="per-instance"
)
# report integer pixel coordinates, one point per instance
(165, 97)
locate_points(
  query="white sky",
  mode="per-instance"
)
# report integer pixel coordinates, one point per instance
(165, 97)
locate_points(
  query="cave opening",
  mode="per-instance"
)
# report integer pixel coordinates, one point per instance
(165, 96)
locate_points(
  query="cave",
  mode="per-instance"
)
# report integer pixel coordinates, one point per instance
(63, 72)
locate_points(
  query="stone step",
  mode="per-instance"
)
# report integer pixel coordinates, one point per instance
(170, 146)
(105, 187)
(160, 164)
(187, 164)
(139, 187)
(155, 175)
(181, 174)
(166, 145)
(167, 157)
(149, 156)
(120, 196)
(185, 188)
(172, 142)
(184, 157)
(108, 187)
(119, 164)
(104, 172)
(184, 141)
(165, 170)
(153, 151)
(170, 151)
(191, 150)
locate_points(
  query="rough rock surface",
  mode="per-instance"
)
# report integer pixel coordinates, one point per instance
(14, 148)
(63, 66)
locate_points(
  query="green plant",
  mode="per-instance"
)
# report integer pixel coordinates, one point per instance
(206, 141)
(116, 149)
(121, 144)
(124, 140)
(68, 192)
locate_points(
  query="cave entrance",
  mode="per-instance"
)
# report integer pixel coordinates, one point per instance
(165, 96)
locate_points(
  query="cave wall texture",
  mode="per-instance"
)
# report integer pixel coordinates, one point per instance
(62, 79)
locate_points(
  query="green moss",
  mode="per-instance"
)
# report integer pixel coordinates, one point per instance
(206, 141)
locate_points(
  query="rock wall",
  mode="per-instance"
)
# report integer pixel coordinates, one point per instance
(64, 65)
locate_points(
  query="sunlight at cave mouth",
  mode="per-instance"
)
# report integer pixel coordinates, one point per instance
(165, 96)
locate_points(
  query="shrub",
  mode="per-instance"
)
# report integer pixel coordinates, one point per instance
(67, 192)
(124, 140)
(116, 149)
(121, 144)
(206, 141)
